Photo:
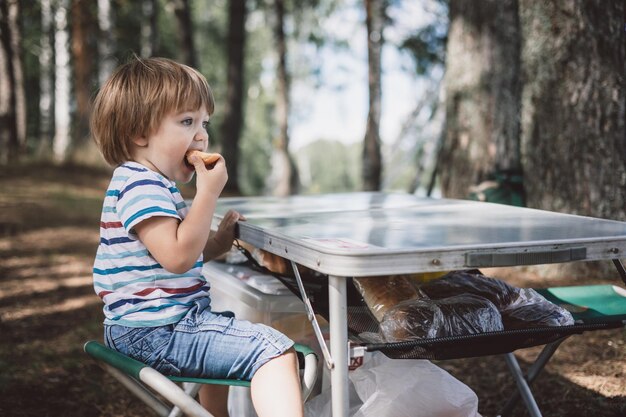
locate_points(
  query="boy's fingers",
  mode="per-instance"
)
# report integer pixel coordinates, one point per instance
(197, 163)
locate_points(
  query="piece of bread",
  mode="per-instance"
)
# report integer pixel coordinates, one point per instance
(209, 159)
(382, 293)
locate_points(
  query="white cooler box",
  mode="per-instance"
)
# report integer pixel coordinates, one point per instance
(258, 298)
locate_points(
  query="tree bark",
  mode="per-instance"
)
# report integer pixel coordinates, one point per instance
(574, 137)
(372, 158)
(149, 28)
(9, 113)
(482, 84)
(61, 140)
(83, 33)
(18, 71)
(106, 43)
(283, 179)
(233, 111)
(46, 80)
(185, 29)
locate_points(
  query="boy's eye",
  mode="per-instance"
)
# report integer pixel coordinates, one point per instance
(187, 122)
(206, 125)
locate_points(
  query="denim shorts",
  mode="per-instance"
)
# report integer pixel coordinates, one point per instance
(203, 344)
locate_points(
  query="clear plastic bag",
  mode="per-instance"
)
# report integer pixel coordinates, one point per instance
(452, 316)
(531, 309)
(385, 387)
(472, 282)
(520, 307)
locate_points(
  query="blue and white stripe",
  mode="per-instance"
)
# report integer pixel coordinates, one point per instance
(137, 291)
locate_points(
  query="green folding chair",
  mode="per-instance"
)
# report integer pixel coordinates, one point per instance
(145, 382)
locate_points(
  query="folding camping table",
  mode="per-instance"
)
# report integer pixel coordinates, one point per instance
(369, 234)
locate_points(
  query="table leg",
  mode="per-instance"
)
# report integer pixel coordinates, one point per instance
(338, 314)
(522, 385)
(620, 268)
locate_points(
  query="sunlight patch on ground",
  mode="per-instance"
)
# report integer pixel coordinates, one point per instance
(51, 238)
(46, 266)
(19, 287)
(604, 374)
(610, 386)
(68, 305)
(27, 190)
(18, 262)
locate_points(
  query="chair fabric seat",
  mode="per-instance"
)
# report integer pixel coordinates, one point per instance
(133, 367)
(590, 303)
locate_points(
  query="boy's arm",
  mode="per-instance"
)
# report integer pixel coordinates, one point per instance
(176, 244)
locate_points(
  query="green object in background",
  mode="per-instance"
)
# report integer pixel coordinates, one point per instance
(590, 303)
(503, 187)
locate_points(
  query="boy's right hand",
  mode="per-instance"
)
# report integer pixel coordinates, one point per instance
(212, 181)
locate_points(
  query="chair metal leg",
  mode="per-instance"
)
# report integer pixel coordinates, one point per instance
(139, 391)
(533, 372)
(522, 385)
(172, 392)
(190, 389)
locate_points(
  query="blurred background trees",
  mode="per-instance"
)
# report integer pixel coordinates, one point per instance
(516, 101)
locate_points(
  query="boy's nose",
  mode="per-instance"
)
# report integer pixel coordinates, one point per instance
(201, 134)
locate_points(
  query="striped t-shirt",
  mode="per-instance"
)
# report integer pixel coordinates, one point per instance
(136, 290)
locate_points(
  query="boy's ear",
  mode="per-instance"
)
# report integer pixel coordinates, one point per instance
(140, 141)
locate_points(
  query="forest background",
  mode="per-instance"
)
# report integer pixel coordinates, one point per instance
(524, 93)
(513, 101)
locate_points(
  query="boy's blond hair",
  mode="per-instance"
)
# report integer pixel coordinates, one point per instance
(136, 98)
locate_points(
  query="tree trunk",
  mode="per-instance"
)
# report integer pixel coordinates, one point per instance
(106, 43)
(185, 29)
(62, 87)
(83, 31)
(233, 109)
(574, 138)
(283, 179)
(482, 102)
(18, 71)
(372, 159)
(46, 80)
(9, 130)
(149, 28)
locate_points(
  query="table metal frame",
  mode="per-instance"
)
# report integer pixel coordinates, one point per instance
(340, 263)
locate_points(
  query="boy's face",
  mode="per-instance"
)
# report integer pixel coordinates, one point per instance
(164, 150)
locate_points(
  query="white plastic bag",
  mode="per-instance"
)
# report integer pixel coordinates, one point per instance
(385, 387)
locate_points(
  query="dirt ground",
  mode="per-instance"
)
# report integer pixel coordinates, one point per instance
(48, 236)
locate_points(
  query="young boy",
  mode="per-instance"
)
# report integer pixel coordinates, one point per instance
(148, 268)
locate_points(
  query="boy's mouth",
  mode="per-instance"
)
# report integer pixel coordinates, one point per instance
(188, 165)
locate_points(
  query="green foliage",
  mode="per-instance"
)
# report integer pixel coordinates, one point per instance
(256, 141)
(328, 166)
(210, 29)
(428, 47)
(126, 28)
(306, 34)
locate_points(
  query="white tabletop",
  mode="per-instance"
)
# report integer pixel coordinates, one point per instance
(357, 234)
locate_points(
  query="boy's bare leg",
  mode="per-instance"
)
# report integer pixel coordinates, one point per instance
(215, 399)
(276, 388)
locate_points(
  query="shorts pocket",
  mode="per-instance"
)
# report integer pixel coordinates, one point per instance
(140, 343)
(166, 367)
(145, 346)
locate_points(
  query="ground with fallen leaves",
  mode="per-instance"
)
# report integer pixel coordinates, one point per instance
(48, 236)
